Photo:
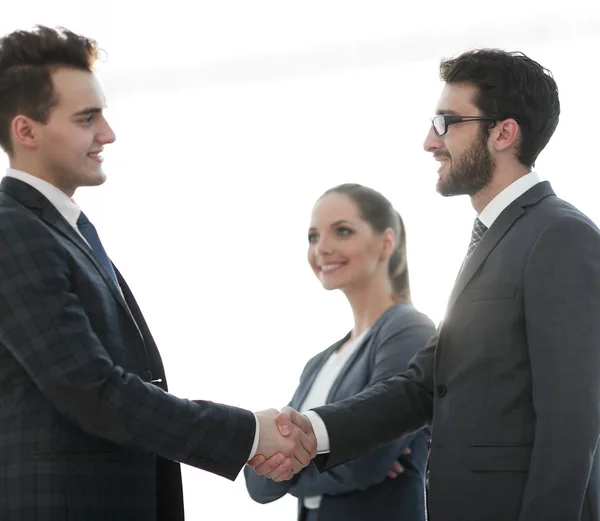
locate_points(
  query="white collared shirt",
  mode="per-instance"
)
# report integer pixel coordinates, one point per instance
(511, 193)
(321, 386)
(61, 201)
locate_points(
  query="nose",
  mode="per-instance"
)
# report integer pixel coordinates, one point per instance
(106, 134)
(432, 141)
(324, 246)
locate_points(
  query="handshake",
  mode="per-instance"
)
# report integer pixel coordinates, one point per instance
(286, 444)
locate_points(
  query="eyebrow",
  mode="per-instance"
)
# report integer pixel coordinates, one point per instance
(446, 112)
(88, 111)
(333, 225)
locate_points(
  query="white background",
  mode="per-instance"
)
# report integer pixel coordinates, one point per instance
(232, 117)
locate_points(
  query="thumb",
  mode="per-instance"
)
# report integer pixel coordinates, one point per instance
(284, 421)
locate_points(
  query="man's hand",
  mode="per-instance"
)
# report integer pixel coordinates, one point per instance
(289, 448)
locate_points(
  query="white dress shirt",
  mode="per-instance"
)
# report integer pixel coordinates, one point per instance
(511, 193)
(61, 201)
(319, 390)
(489, 214)
(71, 211)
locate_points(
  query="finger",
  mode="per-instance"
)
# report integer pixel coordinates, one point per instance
(270, 464)
(284, 477)
(299, 464)
(397, 468)
(257, 460)
(284, 421)
(300, 454)
(406, 451)
(280, 472)
(309, 444)
(303, 449)
(300, 420)
(392, 474)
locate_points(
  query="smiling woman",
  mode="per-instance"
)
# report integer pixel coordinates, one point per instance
(357, 244)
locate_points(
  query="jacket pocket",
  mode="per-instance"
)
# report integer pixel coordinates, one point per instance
(499, 458)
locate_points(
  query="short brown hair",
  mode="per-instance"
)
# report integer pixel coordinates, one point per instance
(27, 60)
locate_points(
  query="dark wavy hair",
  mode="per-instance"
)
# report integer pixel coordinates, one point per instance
(27, 60)
(510, 85)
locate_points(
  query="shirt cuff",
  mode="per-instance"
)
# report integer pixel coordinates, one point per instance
(256, 436)
(320, 431)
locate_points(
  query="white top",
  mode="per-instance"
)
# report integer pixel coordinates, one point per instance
(489, 214)
(317, 395)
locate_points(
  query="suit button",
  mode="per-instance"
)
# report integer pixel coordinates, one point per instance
(441, 390)
(429, 443)
(146, 376)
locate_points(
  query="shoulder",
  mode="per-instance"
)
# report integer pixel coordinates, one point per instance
(554, 212)
(18, 222)
(401, 317)
(23, 233)
(564, 222)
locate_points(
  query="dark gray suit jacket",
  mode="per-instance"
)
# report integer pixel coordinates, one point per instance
(84, 435)
(360, 489)
(511, 381)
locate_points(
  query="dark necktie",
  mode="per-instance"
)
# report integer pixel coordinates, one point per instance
(90, 234)
(479, 230)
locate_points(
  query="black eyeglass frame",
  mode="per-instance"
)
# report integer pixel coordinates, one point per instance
(450, 119)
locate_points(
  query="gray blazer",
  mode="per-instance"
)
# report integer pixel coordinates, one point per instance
(84, 434)
(360, 489)
(511, 381)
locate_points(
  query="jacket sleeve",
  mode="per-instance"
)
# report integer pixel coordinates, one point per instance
(562, 309)
(392, 355)
(45, 328)
(264, 490)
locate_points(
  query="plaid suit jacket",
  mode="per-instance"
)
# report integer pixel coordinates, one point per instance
(84, 433)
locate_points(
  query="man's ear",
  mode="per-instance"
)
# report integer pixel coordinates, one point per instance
(505, 134)
(25, 132)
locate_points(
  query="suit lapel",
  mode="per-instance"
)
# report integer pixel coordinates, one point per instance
(347, 364)
(305, 386)
(39, 204)
(493, 236)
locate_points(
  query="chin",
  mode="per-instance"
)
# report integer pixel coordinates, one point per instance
(96, 179)
(329, 285)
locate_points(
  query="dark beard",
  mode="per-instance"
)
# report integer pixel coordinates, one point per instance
(472, 172)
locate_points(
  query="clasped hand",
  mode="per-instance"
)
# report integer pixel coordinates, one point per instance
(286, 444)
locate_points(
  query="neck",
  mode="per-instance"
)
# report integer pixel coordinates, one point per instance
(501, 179)
(368, 304)
(41, 173)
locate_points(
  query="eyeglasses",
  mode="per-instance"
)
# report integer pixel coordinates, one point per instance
(441, 122)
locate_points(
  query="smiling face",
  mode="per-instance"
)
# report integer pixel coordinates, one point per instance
(66, 150)
(344, 251)
(466, 163)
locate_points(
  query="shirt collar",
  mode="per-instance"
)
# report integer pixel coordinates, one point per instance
(61, 201)
(512, 192)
